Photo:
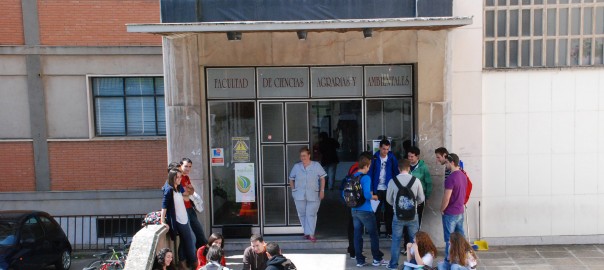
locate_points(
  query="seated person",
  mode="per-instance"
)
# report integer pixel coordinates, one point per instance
(163, 260)
(216, 239)
(254, 256)
(215, 254)
(276, 261)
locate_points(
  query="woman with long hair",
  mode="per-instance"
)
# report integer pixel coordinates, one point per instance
(216, 239)
(174, 216)
(164, 259)
(461, 254)
(422, 252)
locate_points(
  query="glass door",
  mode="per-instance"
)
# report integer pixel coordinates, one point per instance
(392, 119)
(284, 129)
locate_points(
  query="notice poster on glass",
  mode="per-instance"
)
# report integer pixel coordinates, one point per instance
(217, 158)
(244, 182)
(241, 149)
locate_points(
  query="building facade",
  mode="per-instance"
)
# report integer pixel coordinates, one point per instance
(69, 149)
(513, 86)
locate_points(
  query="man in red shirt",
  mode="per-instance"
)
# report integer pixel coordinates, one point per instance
(185, 166)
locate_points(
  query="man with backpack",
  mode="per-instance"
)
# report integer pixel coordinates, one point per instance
(452, 206)
(404, 193)
(357, 195)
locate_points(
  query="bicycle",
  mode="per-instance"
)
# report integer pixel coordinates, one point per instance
(115, 259)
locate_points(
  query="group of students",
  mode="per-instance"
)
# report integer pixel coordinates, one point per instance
(179, 205)
(258, 256)
(392, 182)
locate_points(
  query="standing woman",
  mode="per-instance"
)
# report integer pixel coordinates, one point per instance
(307, 181)
(174, 216)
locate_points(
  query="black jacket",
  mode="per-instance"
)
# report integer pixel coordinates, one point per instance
(279, 263)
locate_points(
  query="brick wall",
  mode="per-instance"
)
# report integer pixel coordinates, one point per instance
(96, 22)
(17, 159)
(107, 165)
(11, 32)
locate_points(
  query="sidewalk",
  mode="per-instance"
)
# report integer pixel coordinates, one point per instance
(508, 257)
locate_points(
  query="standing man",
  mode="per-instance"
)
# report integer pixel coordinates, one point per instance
(363, 216)
(329, 157)
(399, 226)
(186, 164)
(452, 206)
(254, 256)
(383, 168)
(441, 157)
(420, 170)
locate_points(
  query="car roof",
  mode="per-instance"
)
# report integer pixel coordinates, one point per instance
(19, 214)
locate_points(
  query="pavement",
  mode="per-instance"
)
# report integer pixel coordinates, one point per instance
(502, 257)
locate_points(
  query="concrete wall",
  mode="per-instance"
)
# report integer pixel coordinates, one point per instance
(531, 140)
(543, 147)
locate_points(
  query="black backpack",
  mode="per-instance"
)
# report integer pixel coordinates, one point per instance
(353, 191)
(288, 265)
(404, 205)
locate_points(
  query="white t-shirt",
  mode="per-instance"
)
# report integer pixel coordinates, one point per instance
(382, 183)
(179, 207)
(428, 258)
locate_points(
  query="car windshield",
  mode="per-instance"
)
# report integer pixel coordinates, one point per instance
(8, 231)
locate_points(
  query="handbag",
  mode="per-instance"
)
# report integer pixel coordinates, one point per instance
(197, 201)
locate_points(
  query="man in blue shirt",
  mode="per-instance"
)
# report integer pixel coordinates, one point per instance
(363, 216)
(384, 167)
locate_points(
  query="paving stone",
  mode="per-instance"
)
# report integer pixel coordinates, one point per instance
(564, 261)
(537, 267)
(556, 254)
(566, 267)
(593, 261)
(494, 255)
(497, 262)
(551, 248)
(581, 247)
(532, 262)
(589, 254)
(524, 254)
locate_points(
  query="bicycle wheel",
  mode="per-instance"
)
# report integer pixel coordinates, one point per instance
(95, 265)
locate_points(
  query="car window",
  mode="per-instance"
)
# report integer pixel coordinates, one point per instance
(8, 233)
(48, 224)
(32, 229)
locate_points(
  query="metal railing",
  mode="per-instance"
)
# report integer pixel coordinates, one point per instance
(98, 232)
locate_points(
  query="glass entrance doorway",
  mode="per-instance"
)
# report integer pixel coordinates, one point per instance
(286, 127)
(260, 117)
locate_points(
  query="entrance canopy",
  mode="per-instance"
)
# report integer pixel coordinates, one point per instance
(417, 23)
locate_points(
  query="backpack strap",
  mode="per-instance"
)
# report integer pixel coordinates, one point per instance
(397, 182)
(411, 182)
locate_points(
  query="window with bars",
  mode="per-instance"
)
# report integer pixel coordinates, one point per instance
(129, 106)
(543, 33)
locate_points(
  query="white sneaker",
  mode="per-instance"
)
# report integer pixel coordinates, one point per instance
(378, 263)
(361, 264)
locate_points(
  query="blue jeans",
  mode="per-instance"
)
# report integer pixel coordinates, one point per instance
(447, 266)
(397, 235)
(186, 249)
(331, 174)
(367, 219)
(197, 228)
(451, 223)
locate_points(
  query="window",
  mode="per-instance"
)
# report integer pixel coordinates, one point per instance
(129, 106)
(543, 33)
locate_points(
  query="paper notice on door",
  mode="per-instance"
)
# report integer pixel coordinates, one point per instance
(374, 205)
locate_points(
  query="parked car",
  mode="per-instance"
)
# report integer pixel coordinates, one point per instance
(32, 240)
